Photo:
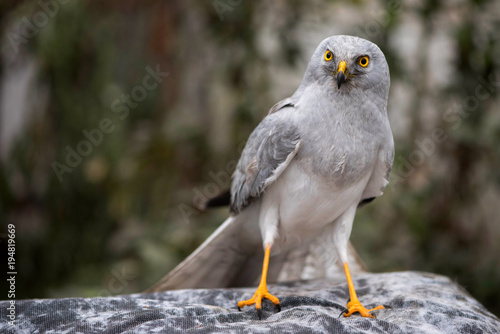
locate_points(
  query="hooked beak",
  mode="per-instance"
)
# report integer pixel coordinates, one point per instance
(341, 70)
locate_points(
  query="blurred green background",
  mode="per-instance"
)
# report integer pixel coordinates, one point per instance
(122, 215)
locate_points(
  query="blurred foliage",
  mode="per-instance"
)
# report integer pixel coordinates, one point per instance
(126, 212)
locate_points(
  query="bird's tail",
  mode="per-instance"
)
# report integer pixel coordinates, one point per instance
(211, 265)
(221, 262)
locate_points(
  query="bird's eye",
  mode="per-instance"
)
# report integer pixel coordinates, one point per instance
(328, 55)
(363, 61)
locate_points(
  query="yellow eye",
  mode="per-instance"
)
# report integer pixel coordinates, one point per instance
(363, 61)
(328, 55)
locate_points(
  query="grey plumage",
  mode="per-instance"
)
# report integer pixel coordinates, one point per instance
(304, 170)
(269, 145)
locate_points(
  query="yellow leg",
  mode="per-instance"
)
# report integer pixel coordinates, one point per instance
(354, 305)
(262, 289)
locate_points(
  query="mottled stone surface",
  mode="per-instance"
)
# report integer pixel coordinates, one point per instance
(420, 303)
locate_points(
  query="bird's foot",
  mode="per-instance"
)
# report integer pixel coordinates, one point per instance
(356, 307)
(260, 294)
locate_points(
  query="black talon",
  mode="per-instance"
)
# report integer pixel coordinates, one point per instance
(277, 307)
(346, 310)
(239, 309)
(259, 313)
(387, 306)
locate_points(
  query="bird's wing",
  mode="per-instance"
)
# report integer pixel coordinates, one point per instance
(288, 102)
(269, 150)
(380, 175)
(224, 198)
(221, 259)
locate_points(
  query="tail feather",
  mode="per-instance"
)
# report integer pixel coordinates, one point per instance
(313, 261)
(319, 260)
(212, 265)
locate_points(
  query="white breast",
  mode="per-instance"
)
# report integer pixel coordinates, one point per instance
(306, 206)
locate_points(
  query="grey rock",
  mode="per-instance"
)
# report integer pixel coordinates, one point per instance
(419, 303)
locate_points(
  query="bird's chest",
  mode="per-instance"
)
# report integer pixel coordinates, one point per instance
(340, 154)
(308, 203)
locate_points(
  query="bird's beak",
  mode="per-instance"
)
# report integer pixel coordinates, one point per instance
(341, 71)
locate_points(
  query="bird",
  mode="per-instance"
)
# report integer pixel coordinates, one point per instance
(316, 157)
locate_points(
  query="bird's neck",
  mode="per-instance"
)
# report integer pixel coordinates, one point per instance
(347, 99)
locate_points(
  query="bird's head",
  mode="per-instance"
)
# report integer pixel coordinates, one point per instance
(347, 62)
